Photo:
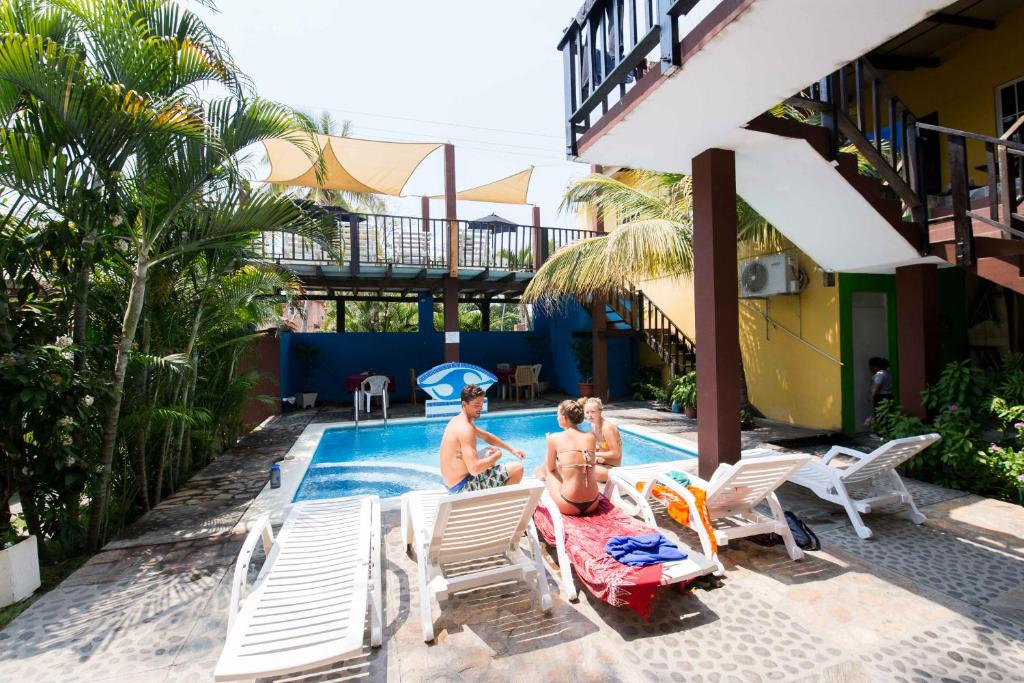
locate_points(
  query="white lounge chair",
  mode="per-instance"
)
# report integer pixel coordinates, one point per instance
(308, 605)
(468, 540)
(871, 480)
(731, 496)
(693, 566)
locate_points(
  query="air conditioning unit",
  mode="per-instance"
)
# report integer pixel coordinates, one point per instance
(770, 275)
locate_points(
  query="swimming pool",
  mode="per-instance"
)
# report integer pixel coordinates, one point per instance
(389, 461)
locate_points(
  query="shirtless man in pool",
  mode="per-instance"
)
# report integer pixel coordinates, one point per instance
(462, 468)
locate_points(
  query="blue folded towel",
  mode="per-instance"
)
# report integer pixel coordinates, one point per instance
(640, 551)
(679, 477)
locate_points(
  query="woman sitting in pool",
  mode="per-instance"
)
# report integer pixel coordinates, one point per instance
(609, 441)
(569, 468)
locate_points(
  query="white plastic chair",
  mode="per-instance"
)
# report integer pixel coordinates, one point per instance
(468, 540)
(732, 495)
(308, 605)
(536, 376)
(375, 385)
(870, 480)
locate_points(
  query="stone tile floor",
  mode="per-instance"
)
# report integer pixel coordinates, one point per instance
(939, 602)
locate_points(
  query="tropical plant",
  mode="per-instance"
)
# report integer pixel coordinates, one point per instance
(684, 390)
(653, 237)
(125, 207)
(583, 352)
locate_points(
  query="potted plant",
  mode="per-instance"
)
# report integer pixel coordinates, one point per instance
(19, 568)
(583, 349)
(685, 393)
(309, 359)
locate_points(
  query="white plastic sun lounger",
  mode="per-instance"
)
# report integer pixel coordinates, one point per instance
(468, 540)
(732, 495)
(871, 480)
(308, 605)
(693, 566)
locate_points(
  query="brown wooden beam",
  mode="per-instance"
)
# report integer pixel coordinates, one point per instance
(961, 20)
(716, 309)
(904, 62)
(449, 210)
(451, 320)
(485, 315)
(917, 332)
(598, 324)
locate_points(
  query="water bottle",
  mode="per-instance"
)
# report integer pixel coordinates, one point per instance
(275, 476)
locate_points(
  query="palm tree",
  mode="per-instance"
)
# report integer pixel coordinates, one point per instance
(654, 238)
(104, 130)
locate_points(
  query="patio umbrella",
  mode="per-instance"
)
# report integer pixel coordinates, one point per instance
(497, 226)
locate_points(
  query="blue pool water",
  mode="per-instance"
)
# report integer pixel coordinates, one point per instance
(389, 461)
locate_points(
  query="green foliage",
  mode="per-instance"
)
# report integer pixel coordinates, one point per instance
(958, 389)
(129, 254)
(965, 404)
(646, 384)
(653, 237)
(583, 352)
(684, 390)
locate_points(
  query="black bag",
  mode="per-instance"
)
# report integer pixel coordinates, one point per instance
(802, 534)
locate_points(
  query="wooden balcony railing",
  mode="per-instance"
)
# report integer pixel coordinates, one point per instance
(1004, 168)
(605, 52)
(386, 240)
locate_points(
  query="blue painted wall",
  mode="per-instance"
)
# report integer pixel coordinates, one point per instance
(336, 356)
(559, 327)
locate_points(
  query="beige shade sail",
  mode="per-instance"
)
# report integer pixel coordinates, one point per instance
(348, 163)
(510, 190)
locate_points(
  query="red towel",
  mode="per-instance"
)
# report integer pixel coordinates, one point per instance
(607, 579)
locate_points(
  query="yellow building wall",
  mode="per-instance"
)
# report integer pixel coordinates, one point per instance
(788, 377)
(962, 89)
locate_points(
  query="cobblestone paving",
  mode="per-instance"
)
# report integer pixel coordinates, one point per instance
(939, 602)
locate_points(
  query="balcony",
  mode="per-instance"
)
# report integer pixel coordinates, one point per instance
(389, 252)
(653, 83)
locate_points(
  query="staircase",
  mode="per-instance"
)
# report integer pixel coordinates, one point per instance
(631, 310)
(853, 108)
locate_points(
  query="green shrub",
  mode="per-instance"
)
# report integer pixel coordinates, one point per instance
(964, 403)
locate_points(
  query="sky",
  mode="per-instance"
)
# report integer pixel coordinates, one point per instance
(482, 74)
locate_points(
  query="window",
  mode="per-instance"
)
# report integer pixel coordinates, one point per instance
(1009, 104)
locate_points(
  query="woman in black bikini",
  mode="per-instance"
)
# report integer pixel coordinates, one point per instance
(569, 468)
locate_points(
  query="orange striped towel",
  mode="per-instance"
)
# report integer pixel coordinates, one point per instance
(680, 511)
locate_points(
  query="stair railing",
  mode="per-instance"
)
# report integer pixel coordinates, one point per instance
(659, 332)
(859, 108)
(1004, 166)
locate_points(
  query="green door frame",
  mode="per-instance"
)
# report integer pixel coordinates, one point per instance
(859, 282)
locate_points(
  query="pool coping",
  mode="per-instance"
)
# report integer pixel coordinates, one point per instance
(277, 502)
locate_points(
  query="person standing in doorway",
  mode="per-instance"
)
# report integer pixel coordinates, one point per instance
(881, 381)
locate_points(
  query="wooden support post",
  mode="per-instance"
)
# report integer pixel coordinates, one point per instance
(485, 315)
(537, 242)
(962, 224)
(716, 309)
(449, 210)
(353, 244)
(451, 320)
(339, 304)
(917, 333)
(598, 327)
